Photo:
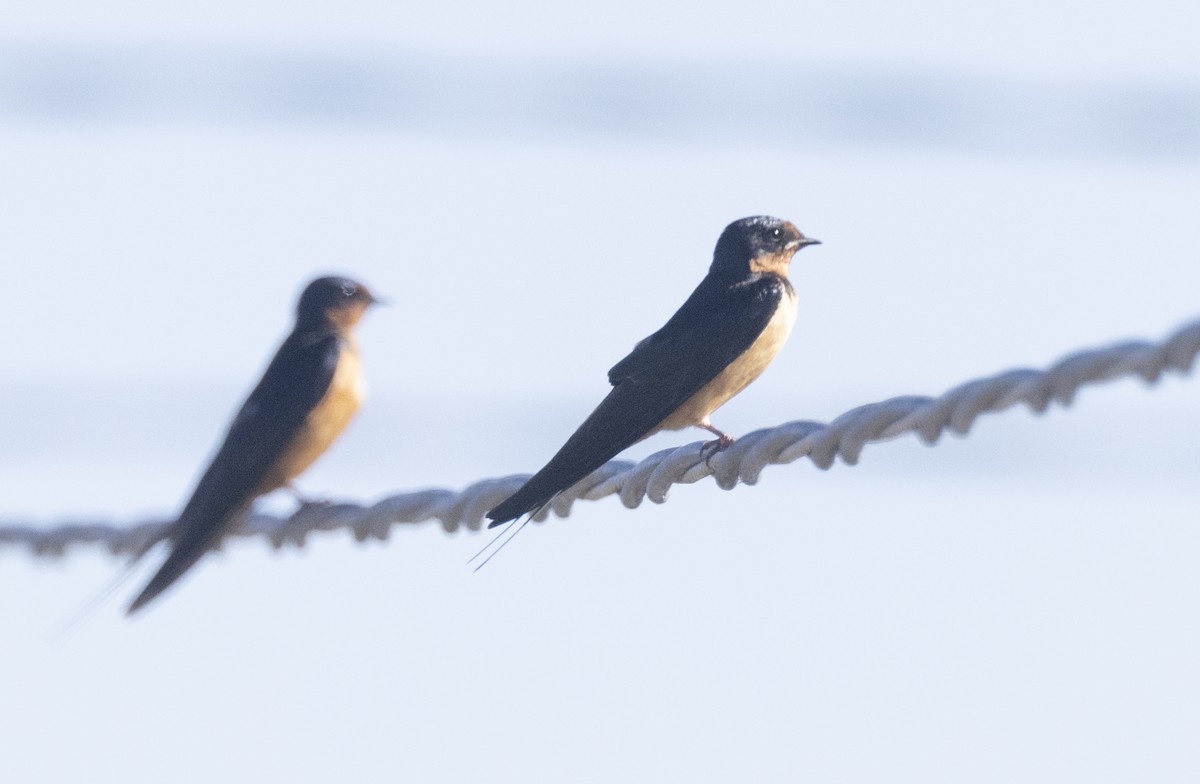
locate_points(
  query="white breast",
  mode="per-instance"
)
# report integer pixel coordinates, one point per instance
(325, 422)
(738, 375)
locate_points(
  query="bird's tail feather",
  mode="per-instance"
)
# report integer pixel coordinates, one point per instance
(76, 619)
(619, 422)
(191, 544)
(178, 562)
(529, 499)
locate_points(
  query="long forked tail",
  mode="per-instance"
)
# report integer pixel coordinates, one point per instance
(178, 562)
(191, 542)
(623, 418)
(72, 622)
(532, 496)
(584, 452)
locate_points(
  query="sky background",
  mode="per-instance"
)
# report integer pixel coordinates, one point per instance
(536, 188)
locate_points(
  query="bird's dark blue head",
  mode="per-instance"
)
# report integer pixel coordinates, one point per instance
(333, 300)
(757, 244)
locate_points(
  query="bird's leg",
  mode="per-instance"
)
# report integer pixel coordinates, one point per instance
(304, 501)
(722, 441)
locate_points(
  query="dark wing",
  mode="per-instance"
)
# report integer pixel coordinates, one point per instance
(716, 324)
(295, 381)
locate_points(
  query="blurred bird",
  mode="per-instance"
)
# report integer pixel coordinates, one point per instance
(306, 397)
(720, 340)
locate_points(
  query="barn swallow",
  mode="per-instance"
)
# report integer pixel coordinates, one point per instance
(306, 397)
(720, 340)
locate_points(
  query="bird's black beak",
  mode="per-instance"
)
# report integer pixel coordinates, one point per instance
(802, 243)
(378, 301)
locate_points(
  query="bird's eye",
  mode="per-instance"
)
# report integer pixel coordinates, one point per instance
(776, 232)
(349, 291)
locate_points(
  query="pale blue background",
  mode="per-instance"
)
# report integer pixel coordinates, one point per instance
(537, 188)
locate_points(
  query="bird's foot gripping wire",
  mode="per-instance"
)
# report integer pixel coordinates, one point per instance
(306, 502)
(710, 448)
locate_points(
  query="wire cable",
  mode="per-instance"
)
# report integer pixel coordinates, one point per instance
(741, 463)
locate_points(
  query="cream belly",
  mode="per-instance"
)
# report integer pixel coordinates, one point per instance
(738, 375)
(324, 423)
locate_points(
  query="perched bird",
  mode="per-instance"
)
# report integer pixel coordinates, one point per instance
(720, 340)
(305, 399)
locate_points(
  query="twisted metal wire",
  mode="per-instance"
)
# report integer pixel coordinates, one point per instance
(651, 478)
